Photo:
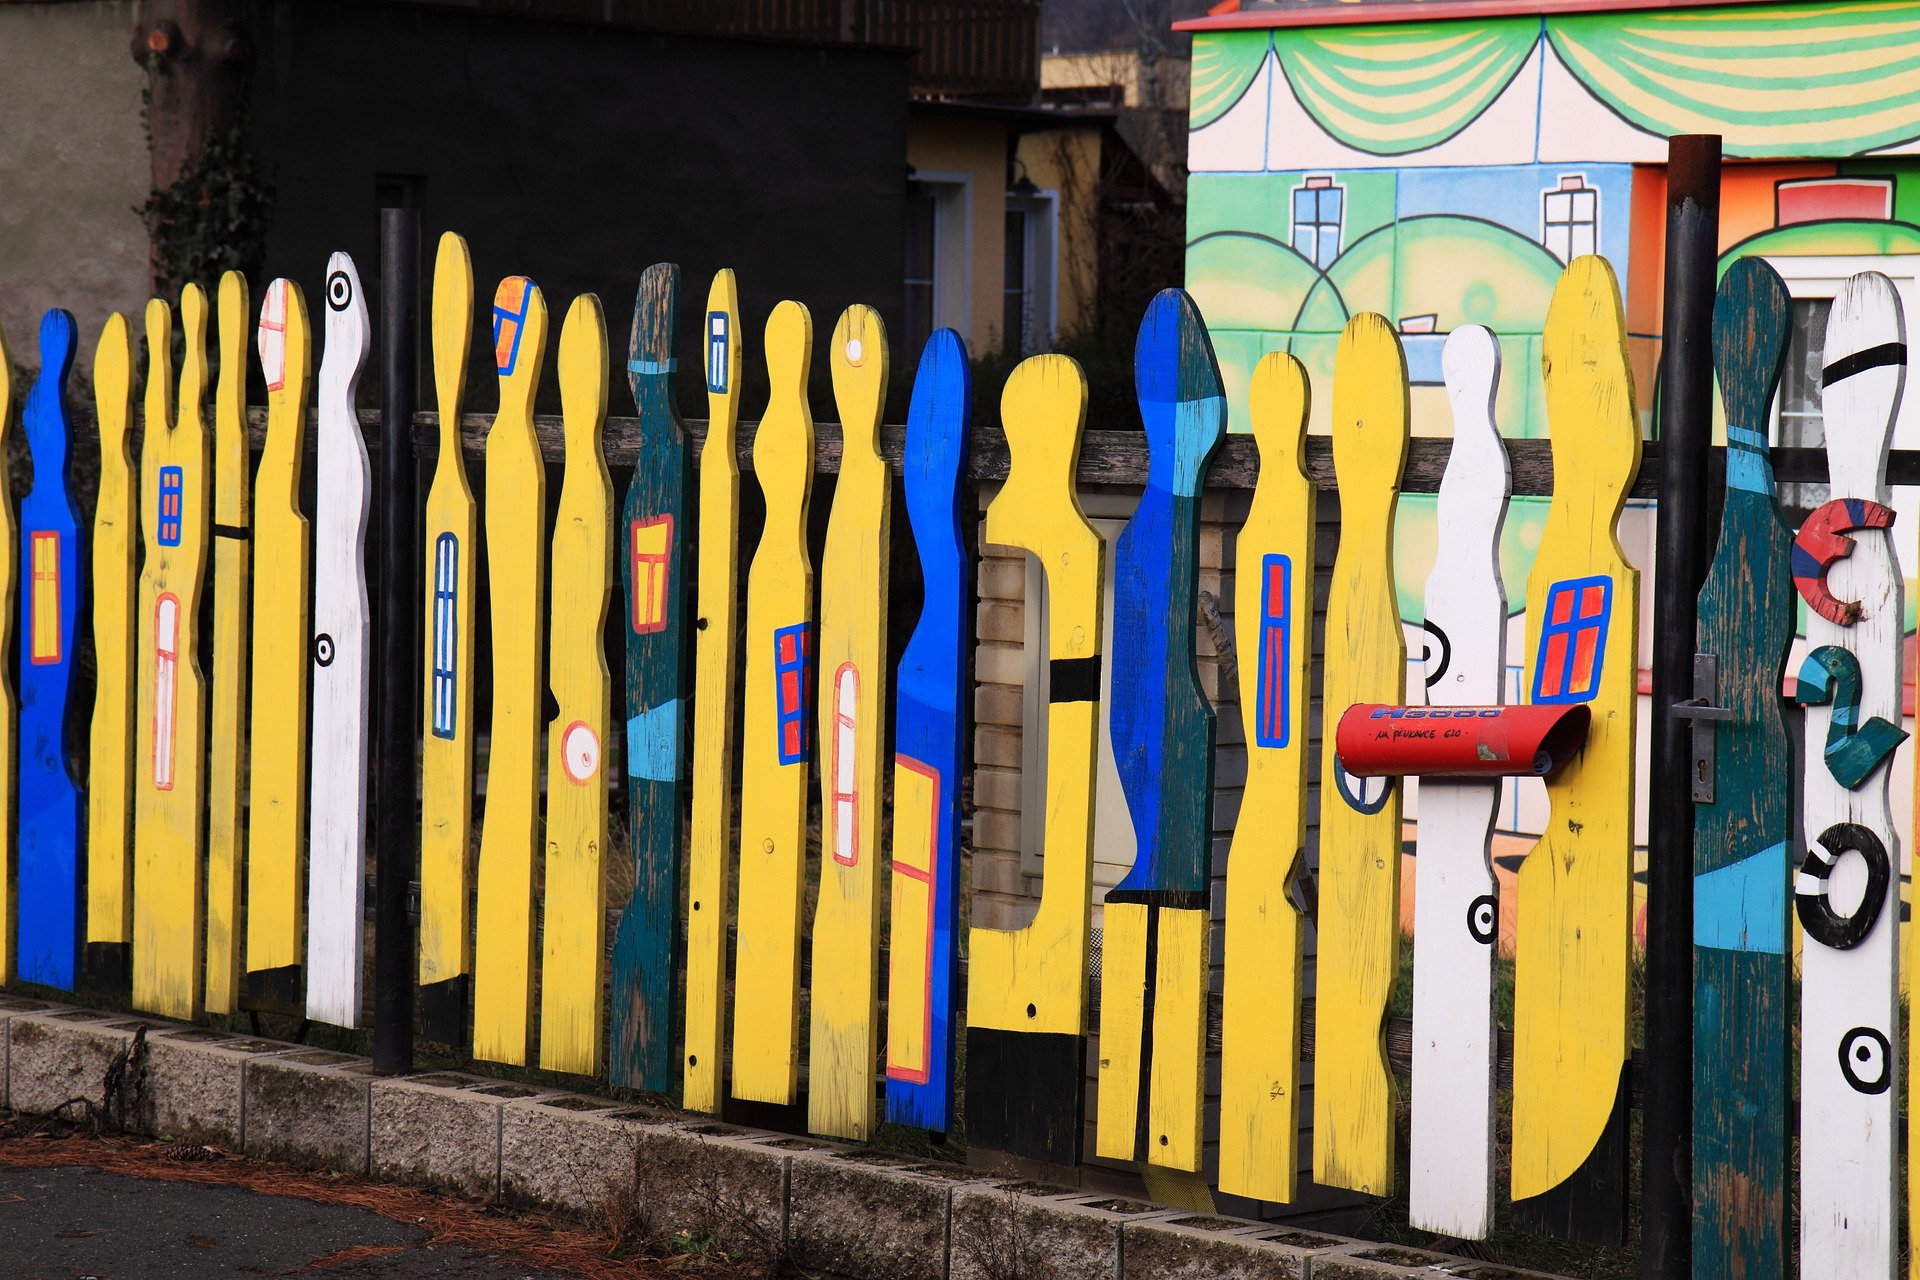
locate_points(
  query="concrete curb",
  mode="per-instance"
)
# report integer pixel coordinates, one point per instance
(823, 1205)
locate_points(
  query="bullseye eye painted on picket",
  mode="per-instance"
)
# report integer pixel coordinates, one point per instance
(109, 921)
(1456, 901)
(342, 662)
(446, 742)
(1849, 1150)
(169, 760)
(1573, 940)
(48, 881)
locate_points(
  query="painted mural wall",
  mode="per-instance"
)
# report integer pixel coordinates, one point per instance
(1442, 173)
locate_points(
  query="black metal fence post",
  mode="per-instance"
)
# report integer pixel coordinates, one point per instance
(396, 830)
(1683, 549)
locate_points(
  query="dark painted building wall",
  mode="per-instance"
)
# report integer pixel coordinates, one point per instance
(577, 154)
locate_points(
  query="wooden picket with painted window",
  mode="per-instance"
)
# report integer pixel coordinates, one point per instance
(141, 871)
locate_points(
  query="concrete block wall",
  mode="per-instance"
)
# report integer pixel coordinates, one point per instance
(822, 1206)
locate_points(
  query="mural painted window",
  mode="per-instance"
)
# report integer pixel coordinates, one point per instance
(1800, 423)
(1570, 218)
(1318, 210)
(1821, 199)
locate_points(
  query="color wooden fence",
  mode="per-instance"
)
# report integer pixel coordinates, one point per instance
(210, 861)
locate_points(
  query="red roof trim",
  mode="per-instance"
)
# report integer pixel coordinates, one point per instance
(1361, 15)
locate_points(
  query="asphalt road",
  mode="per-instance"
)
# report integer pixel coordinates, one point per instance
(73, 1223)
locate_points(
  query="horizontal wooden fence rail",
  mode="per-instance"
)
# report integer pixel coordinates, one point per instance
(1109, 457)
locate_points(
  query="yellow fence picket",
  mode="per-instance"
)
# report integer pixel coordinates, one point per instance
(776, 742)
(109, 932)
(576, 890)
(282, 653)
(1027, 988)
(1354, 1094)
(169, 767)
(516, 577)
(227, 690)
(845, 1042)
(1572, 1001)
(1264, 950)
(446, 752)
(710, 844)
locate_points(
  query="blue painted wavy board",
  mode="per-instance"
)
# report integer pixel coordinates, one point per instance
(930, 748)
(651, 548)
(49, 905)
(1741, 841)
(1154, 949)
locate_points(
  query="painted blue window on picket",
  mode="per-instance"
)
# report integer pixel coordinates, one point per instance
(446, 632)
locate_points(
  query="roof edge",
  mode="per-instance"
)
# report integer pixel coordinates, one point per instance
(1356, 14)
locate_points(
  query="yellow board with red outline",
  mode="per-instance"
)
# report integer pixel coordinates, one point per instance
(845, 1041)
(169, 908)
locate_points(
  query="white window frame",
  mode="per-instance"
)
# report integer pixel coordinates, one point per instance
(1043, 267)
(952, 248)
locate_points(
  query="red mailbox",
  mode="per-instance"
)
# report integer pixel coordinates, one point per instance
(1459, 742)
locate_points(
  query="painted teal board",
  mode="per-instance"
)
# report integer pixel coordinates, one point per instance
(1742, 840)
(646, 945)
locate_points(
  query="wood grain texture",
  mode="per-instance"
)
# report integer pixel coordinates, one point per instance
(169, 841)
(1850, 994)
(1366, 658)
(1571, 997)
(1456, 900)
(1742, 840)
(930, 749)
(342, 663)
(572, 972)
(452, 549)
(1162, 726)
(227, 677)
(716, 655)
(282, 665)
(775, 745)
(48, 936)
(1264, 973)
(653, 563)
(1027, 988)
(9, 707)
(516, 516)
(851, 710)
(109, 931)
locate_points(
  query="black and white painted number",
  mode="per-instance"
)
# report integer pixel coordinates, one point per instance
(1822, 923)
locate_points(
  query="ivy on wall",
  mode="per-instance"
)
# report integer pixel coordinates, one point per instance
(214, 218)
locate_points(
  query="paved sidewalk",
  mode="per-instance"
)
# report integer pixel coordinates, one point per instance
(69, 1223)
